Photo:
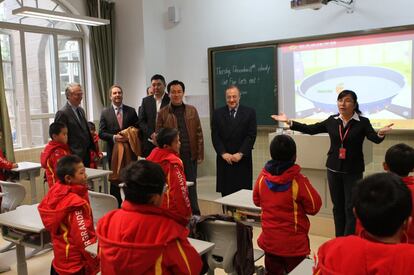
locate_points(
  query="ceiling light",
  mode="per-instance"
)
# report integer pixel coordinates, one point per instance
(60, 16)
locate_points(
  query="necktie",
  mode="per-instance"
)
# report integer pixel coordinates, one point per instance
(119, 117)
(232, 113)
(79, 114)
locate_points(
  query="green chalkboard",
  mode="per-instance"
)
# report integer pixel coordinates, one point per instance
(253, 71)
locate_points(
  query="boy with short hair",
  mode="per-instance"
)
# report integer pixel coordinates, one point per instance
(54, 150)
(286, 197)
(399, 159)
(141, 237)
(67, 215)
(176, 198)
(95, 155)
(382, 202)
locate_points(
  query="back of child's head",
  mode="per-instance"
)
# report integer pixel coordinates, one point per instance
(142, 179)
(382, 203)
(56, 128)
(91, 126)
(400, 159)
(166, 136)
(283, 148)
(66, 166)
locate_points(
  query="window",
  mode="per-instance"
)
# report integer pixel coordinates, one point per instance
(40, 57)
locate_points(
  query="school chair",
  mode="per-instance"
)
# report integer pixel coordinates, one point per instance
(101, 204)
(224, 235)
(12, 195)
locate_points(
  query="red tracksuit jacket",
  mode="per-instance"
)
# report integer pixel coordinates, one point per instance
(94, 155)
(285, 200)
(53, 152)
(4, 164)
(66, 214)
(409, 236)
(353, 255)
(145, 240)
(176, 196)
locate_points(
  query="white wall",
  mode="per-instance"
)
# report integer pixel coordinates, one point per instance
(182, 48)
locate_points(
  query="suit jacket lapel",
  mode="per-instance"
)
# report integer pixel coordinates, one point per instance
(72, 113)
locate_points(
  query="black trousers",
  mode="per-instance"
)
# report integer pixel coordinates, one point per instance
(340, 188)
(190, 171)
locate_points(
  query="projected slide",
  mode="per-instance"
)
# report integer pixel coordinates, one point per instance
(377, 67)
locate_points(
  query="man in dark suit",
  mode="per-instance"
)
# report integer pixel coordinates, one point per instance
(147, 116)
(73, 116)
(114, 119)
(233, 133)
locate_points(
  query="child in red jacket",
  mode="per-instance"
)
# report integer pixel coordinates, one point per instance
(67, 215)
(141, 237)
(286, 197)
(95, 155)
(54, 150)
(5, 165)
(166, 154)
(383, 205)
(399, 159)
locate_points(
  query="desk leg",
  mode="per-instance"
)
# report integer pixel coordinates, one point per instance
(33, 191)
(21, 260)
(105, 182)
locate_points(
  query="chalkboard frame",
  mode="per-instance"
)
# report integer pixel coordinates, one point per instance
(250, 46)
(276, 43)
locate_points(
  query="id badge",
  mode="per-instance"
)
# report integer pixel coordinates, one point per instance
(342, 153)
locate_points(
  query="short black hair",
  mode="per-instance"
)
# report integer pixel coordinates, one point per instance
(142, 179)
(66, 166)
(166, 136)
(382, 203)
(91, 126)
(158, 77)
(283, 148)
(176, 82)
(55, 128)
(400, 159)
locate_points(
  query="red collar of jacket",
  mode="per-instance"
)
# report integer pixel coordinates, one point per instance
(50, 148)
(159, 155)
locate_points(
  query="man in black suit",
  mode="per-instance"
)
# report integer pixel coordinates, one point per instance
(147, 116)
(116, 118)
(73, 116)
(233, 133)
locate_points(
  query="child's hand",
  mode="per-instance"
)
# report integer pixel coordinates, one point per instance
(15, 165)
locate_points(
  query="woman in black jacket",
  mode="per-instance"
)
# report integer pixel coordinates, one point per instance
(345, 164)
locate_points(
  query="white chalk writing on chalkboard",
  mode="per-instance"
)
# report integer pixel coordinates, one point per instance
(253, 68)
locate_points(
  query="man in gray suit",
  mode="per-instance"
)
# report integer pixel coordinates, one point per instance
(73, 116)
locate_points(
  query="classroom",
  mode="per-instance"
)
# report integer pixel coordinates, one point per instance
(268, 49)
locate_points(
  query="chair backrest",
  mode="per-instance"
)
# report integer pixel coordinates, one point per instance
(13, 195)
(101, 204)
(224, 235)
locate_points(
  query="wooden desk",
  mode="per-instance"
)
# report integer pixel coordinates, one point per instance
(29, 171)
(241, 202)
(24, 227)
(200, 246)
(242, 199)
(99, 173)
(305, 267)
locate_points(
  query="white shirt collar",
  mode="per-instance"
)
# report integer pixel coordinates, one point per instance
(116, 107)
(355, 117)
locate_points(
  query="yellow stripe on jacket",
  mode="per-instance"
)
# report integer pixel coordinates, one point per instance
(65, 238)
(184, 256)
(158, 267)
(295, 191)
